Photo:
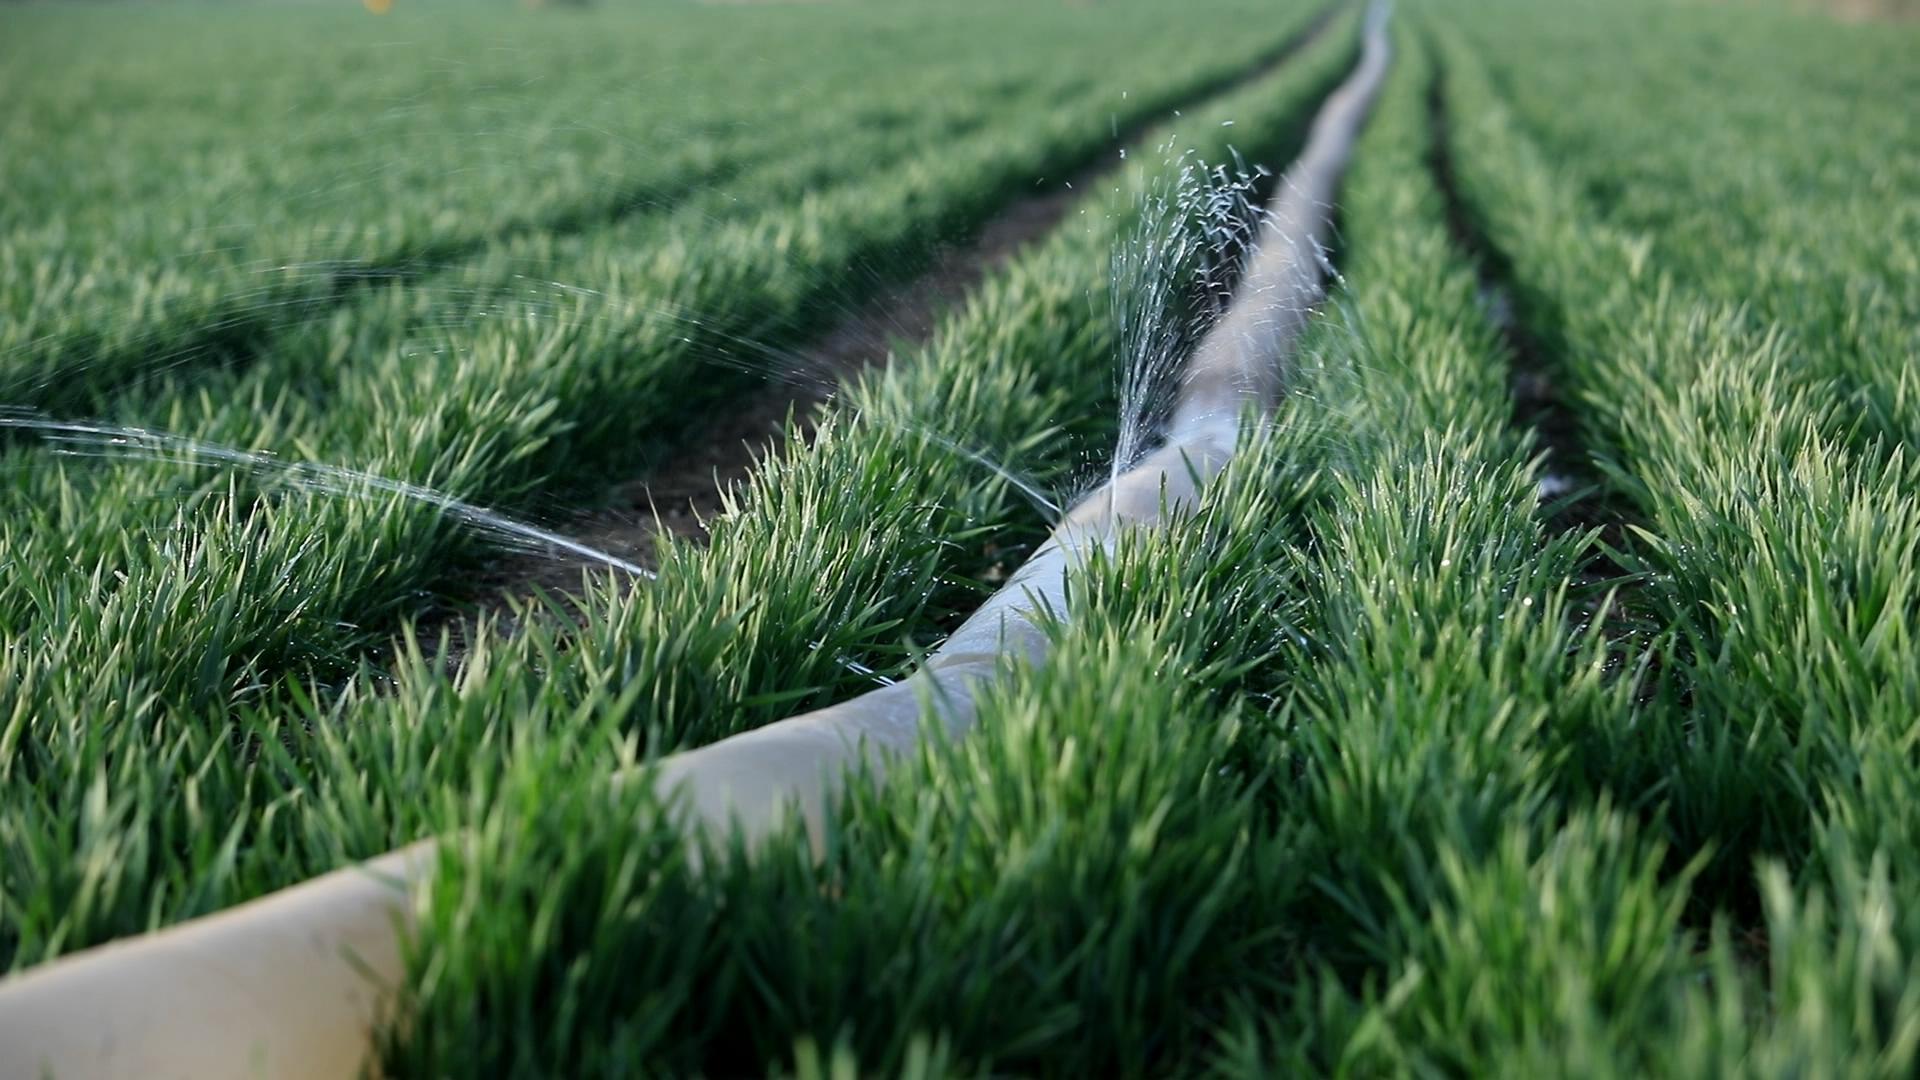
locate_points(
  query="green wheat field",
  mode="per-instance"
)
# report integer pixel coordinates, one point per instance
(1538, 695)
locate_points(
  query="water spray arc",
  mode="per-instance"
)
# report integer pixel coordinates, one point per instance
(267, 988)
(112, 440)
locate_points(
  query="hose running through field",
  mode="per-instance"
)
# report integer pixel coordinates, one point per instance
(752, 779)
(292, 984)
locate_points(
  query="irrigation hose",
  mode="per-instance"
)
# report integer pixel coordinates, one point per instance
(293, 984)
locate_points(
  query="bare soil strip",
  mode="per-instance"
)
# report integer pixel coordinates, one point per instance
(682, 492)
(677, 496)
(1573, 494)
(1537, 403)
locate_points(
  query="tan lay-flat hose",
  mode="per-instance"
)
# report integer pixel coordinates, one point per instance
(289, 985)
(293, 985)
